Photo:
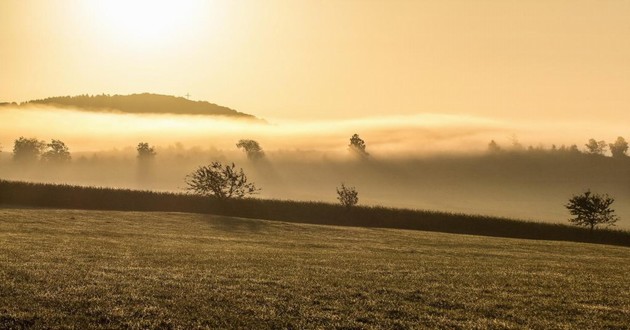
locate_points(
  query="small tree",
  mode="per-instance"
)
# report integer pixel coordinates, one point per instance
(347, 196)
(619, 148)
(57, 152)
(493, 147)
(145, 152)
(591, 210)
(217, 180)
(594, 147)
(357, 145)
(27, 150)
(251, 148)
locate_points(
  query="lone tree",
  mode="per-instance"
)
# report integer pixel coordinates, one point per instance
(217, 180)
(594, 147)
(619, 148)
(493, 147)
(591, 210)
(145, 152)
(347, 196)
(27, 150)
(57, 152)
(357, 145)
(251, 148)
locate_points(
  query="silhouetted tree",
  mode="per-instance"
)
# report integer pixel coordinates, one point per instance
(251, 148)
(357, 145)
(594, 147)
(27, 150)
(347, 196)
(493, 147)
(220, 181)
(145, 152)
(591, 210)
(619, 148)
(516, 144)
(57, 152)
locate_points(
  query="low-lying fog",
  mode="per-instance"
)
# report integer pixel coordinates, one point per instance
(435, 162)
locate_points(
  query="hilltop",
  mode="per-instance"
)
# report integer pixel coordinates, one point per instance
(140, 103)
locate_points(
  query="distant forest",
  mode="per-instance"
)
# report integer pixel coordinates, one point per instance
(140, 103)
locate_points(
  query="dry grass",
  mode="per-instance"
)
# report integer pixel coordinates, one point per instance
(97, 269)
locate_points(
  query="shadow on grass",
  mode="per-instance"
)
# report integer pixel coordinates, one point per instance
(234, 225)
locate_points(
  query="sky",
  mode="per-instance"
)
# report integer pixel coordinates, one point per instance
(536, 61)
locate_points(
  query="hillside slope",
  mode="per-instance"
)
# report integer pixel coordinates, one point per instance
(142, 103)
(98, 269)
(92, 198)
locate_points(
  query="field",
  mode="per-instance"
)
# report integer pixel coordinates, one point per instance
(109, 269)
(25, 194)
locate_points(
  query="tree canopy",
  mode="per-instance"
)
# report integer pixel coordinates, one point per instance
(595, 147)
(251, 148)
(619, 148)
(145, 151)
(57, 152)
(357, 145)
(591, 210)
(220, 181)
(27, 149)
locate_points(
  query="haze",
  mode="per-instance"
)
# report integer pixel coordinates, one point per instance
(547, 60)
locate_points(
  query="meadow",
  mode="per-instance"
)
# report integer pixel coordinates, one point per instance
(25, 194)
(110, 269)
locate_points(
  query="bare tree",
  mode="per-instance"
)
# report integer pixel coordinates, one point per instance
(591, 210)
(347, 196)
(251, 148)
(594, 147)
(223, 182)
(27, 150)
(57, 152)
(357, 145)
(619, 148)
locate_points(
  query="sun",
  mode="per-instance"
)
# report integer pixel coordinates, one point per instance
(147, 21)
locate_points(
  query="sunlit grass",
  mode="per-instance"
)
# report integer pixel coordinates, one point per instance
(91, 269)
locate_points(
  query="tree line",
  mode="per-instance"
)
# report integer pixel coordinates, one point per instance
(225, 181)
(618, 149)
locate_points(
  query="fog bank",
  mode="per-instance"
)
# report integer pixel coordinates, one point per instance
(432, 162)
(423, 134)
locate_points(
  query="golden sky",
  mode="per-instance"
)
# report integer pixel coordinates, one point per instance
(543, 59)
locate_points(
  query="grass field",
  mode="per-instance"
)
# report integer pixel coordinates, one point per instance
(55, 196)
(105, 269)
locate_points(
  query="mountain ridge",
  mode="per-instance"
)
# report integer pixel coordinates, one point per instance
(142, 103)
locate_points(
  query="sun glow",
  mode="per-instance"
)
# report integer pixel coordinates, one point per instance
(145, 22)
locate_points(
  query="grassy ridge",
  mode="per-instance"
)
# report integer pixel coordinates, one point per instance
(143, 270)
(142, 103)
(76, 197)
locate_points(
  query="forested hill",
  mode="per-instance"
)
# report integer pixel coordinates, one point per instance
(142, 103)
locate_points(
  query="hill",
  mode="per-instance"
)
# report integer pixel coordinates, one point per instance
(91, 198)
(105, 270)
(142, 103)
